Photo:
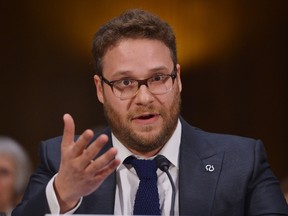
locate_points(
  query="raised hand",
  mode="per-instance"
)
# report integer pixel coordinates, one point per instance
(79, 175)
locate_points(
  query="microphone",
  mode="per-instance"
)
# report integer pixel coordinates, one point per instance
(163, 164)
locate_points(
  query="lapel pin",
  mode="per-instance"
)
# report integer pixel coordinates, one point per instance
(209, 168)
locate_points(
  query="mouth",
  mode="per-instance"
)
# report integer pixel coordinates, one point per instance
(146, 118)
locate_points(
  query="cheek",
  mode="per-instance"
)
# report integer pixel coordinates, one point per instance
(7, 185)
(120, 108)
(172, 102)
(169, 99)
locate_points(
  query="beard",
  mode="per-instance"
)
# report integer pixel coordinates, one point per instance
(144, 143)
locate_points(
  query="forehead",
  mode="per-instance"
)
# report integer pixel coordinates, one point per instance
(136, 56)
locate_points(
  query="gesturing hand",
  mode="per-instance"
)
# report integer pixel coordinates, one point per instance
(79, 175)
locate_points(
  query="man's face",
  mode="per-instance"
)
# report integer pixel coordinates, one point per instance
(145, 122)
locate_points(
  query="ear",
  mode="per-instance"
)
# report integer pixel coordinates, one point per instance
(99, 88)
(179, 78)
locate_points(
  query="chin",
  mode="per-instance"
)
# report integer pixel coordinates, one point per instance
(147, 129)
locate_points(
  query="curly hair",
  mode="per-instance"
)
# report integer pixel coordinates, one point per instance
(133, 24)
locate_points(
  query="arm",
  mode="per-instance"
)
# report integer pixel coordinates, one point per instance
(264, 194)
(52, 199)
(79, 174)
(34, 201)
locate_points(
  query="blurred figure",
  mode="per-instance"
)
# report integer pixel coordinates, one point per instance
(15, 169)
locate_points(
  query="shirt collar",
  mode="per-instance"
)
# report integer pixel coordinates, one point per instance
(170, 149)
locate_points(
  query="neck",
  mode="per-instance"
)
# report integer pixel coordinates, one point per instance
(146, 154)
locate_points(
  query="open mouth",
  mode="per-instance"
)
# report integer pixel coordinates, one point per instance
(145, 116)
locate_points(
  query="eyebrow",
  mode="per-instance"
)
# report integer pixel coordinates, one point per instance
(127, 73)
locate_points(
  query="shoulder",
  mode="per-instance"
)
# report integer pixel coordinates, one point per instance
(239, 154)
(243, 168)
(234, 144)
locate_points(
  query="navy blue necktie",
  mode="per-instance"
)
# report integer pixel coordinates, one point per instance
(147, 197)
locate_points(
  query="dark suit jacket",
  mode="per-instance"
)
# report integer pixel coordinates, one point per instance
(240, 184)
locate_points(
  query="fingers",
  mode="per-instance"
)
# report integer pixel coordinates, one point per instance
(92, 150)
(102, 174)
(79, 148)
(82, 142)
(77, 175)
(104, 164)
(69, 130)
(84, 153)
(69, 135)
(102, 161)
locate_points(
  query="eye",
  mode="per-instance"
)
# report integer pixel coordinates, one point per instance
(124, 83)
(158, 78)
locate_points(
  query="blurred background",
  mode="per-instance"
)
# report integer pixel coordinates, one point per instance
(233, 56)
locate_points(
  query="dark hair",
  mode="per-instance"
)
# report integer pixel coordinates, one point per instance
(133, 24)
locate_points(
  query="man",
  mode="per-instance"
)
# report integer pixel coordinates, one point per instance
(138, 82)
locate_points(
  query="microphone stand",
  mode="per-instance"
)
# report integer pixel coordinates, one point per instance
(163, 164)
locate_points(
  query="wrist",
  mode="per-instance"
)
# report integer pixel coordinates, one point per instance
(66, 200)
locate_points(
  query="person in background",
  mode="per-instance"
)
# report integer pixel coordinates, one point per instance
(15, 169)
(116, 171)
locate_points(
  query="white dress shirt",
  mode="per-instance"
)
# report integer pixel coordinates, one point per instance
(127, 180)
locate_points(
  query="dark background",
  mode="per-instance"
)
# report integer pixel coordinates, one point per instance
(233, 57)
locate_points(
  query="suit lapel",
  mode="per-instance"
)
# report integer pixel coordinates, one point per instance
(199, 171)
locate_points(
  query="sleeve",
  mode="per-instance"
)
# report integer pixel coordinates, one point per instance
(53, 202)
(264, 193)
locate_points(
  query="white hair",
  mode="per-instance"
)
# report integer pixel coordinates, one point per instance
(18, 154)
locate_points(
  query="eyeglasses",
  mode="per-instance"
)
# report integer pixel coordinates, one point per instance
(127, 88)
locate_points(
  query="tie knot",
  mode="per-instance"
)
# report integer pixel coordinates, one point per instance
(145, 169)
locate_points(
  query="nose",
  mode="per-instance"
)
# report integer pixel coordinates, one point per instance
(143, 96)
